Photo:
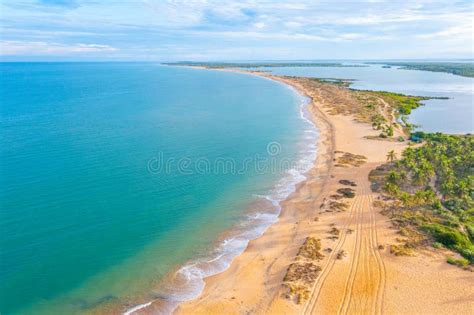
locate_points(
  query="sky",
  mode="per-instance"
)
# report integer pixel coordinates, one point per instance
(207, 30)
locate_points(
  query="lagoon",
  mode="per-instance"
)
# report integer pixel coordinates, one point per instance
(454, 115)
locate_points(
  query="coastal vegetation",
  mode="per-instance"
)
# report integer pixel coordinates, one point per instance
(385, 111)
(301, 274)
(335, 203)
(465, 69)
(346, 159)
(339, 82)
(393, 110)
(346, 192)
(403, 104)
(347, 182)
(429, 194)
(337, 206)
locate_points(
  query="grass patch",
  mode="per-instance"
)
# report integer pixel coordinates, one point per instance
(298, 291)
(299, 279)
(461, 262)
(401, 250)
(348, 159)
(338, 206)
(310, 249)
(437, 245)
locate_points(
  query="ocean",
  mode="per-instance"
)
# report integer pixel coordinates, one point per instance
(123, 183)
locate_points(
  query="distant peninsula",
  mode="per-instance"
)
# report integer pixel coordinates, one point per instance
(218, 65)
(465, 69)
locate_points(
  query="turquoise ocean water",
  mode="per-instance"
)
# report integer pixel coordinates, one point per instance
(123, 183)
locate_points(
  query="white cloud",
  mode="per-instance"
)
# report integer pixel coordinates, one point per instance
(293, 24)
(454, 32)
(352, 36)
(45, 34)
(293, 36)
(206, 25)
(9, 47)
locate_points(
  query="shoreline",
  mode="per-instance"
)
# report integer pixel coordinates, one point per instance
(321, 169)
(253, 282)
(306, 114)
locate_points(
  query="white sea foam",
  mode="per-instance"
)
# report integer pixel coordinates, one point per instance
(136, 308)
(191, 276)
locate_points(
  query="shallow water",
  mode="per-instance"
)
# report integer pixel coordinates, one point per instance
(91, 217)
(455, 115)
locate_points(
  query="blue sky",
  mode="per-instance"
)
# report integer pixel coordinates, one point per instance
(234, 30)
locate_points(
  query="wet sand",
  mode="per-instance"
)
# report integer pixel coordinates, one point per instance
(368, 279)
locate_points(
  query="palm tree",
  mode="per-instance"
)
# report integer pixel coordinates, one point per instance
(389, 130)
(391, 156)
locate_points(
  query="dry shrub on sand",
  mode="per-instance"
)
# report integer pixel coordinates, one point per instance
(306, 272)
(378, 204)
(349, 159)
(335, 231)
(347, 182)
(346, 192)
(401, 250)
(338, 206)
(341, 254)
(310, 249)
(300, 291)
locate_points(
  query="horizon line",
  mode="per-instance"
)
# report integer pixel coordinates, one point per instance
(241, 60)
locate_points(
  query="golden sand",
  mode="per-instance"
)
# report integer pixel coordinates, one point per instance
(357, 275)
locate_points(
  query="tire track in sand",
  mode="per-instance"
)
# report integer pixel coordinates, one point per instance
(382, 269)
(355, 261)
(326, 269)
(365, 285)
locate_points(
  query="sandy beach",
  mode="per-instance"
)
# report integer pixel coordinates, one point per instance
(254, 157)
(368, 278)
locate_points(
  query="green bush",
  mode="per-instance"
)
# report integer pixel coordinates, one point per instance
(453, 239)
(447, 236)
(457, 262)
(467, 253)
(470, 231)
